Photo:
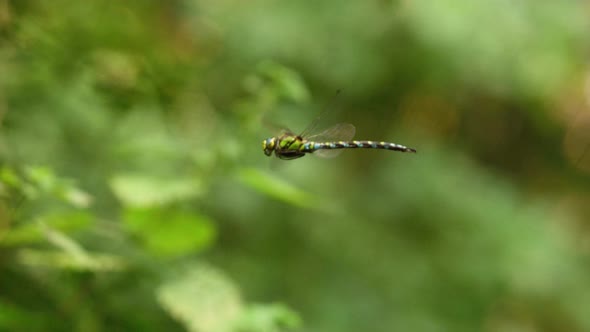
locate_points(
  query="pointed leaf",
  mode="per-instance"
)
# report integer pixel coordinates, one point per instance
(144, 191)
(203, 298)
(170, 233)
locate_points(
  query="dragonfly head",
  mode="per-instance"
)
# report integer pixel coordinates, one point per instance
(268, 145)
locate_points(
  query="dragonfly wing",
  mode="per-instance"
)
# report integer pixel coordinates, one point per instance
(327, 153)
(313, 125)
(285, 131)
(339, 132)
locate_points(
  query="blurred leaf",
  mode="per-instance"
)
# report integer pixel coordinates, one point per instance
(167, 232)
(65, 260)
(43, 177)
(277, 188)
(9, 177)
(533, 50)
(203, 298)
(76, 197)
(42, 180)
(287, 82)
(144, 191)
(72, 255)
(32, 232)
(67, 244)
(268, 318)
(14, 318)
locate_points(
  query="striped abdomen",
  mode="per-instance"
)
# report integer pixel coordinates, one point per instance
(314, 146)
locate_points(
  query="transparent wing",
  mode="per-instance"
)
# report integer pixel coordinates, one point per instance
(275, 128)
(313, 125)
(327, 153)
(286, 131)
(339, 132)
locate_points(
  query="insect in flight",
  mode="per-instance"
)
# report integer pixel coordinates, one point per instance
(327, 143)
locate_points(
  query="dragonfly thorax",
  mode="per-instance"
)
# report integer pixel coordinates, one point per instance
(286, 146)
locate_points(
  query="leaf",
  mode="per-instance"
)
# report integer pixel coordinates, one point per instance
(169, 232)
(137, 190)
(96, 262)
(76, 197)
(9, 177)
(287, 81)
(268, 318)
(42, 177)
(42, 180)
(277, 188)
(203, 298)
(32, 232)
(70, 256)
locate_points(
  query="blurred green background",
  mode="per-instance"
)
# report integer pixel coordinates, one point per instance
(135, 195)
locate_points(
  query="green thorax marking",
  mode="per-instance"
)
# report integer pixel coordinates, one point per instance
(290, 143)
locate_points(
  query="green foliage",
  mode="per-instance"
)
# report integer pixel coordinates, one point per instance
(134, 195)
(524, 48)
(168, 232)
(203, 298)
(32, 232)
(277, 187)
(145, 191)
(268, 318)
(207, 301)
(280, 81)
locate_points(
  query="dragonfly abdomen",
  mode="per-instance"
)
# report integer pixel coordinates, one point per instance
(314, 146)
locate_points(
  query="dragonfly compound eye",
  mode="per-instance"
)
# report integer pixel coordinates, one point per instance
(268, 146)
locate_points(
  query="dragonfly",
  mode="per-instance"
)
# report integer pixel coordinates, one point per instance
(326, 143)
